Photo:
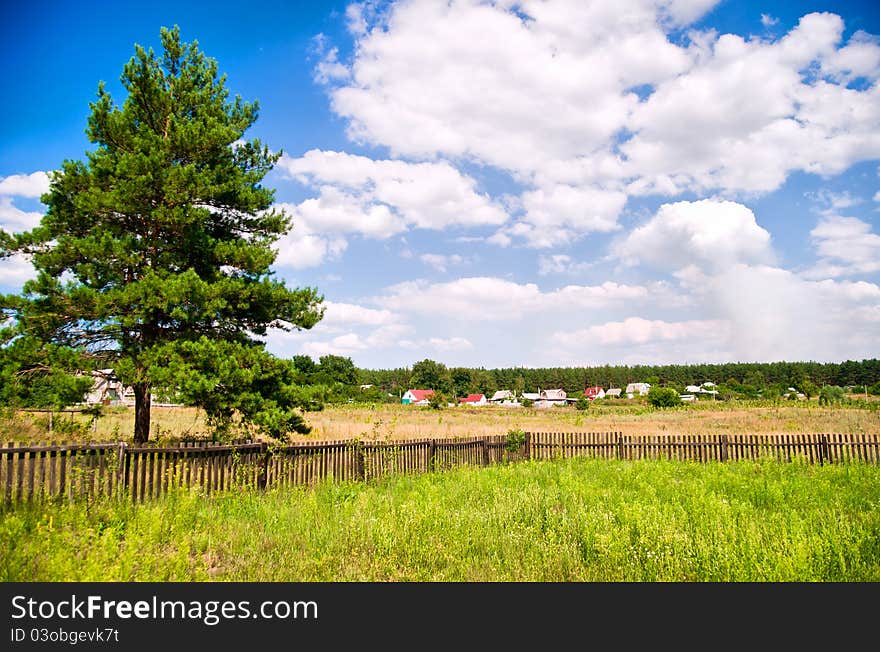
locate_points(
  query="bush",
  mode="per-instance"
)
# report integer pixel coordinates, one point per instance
(831, 394)
(583, 403)
(527, 402)
(515, 440)
(663, 397)
(438, 401)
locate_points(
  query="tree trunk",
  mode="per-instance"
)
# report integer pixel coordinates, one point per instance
(142, 401)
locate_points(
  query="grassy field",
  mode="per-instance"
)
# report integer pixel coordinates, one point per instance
(571, 520)
(406, 422)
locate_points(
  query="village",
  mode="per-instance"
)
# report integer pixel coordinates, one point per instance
(546, 398)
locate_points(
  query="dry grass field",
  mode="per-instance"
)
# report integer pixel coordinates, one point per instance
(407, 422)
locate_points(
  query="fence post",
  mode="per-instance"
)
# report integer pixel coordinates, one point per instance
(122, 467)
(432, 451)
(823, 450)
(485, 452)
(527, 446)
(359, 472)
(619, 446)
(264, 466)
(723, 448)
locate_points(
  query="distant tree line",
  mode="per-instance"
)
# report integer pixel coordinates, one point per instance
(738, 377)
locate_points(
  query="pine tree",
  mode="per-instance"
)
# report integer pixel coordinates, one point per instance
(154, 254)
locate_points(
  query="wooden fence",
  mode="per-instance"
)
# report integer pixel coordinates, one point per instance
(62, 470)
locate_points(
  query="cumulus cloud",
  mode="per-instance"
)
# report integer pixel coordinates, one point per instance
(350, 313)
(441, 262)
(707, 234)
(846, 246)
(553, 215)
(25, 185)
(601, 97)
(15, 220)
(635, 330)
(774, 314)
(749, 112)
(14, 271)
(560, 264)
(495, 299)
(425, 195)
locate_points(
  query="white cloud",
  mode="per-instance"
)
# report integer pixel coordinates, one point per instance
(561, 213)
(439, 344)
(768, 21)
(636, 330)
(424, 195)
(776, 315)
(495, 299)
(749, 112)
(350, 313)
(560, 264)
(846, 246)
(25, 185)
(352, 343)
(545, 91)
(15, 270)
(441, 262)
(300, 249)
(15, 220)
(709, 234)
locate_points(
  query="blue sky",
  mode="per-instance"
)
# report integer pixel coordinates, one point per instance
(533, 183)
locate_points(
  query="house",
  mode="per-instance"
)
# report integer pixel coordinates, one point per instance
(688, 398)
(551, 398)
(614, 392)
(505, 398)
(531, 396)
(473, 399)
(417, 396)
(637, 388)
(106, 389)
(593, 393)
(693, 389)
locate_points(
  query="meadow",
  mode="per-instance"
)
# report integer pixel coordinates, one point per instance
(394, 421)
(559, 520)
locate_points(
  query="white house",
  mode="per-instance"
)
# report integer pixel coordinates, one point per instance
(551, 397)
(614, 392)
(505, 398)
(106, 389)
(417, 396)
(637, 388)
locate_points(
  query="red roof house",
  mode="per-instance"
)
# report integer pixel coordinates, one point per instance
(594, 393)
(417, 396)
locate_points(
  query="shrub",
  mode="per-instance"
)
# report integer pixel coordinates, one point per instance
(438, 401)
(515, 440)
(831, 394)
(663, 397)
(583, 403)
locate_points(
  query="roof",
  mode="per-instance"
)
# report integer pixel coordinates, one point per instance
(553, 394)
(472, 398)
(614, 391)
(501, 394)
(421, 394)
(593, 391)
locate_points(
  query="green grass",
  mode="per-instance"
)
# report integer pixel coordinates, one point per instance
(566, 520)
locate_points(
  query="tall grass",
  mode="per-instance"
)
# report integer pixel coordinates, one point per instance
(394, 421)
(562, 520)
